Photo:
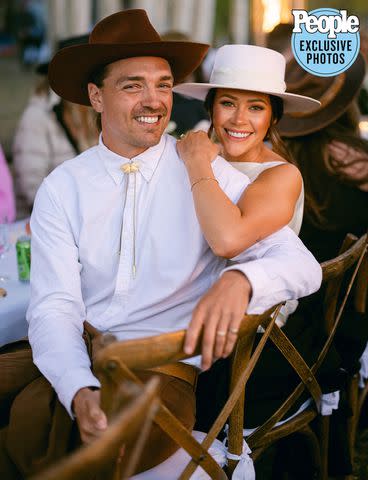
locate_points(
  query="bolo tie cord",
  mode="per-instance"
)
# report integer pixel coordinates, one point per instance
(133, 168)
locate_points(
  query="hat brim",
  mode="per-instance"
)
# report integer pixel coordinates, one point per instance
(294, 126)
(71, 68)
(292, 102)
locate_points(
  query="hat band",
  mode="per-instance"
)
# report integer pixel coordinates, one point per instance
(255, 80)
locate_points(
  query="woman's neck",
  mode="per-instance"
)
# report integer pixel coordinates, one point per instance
(258, 154)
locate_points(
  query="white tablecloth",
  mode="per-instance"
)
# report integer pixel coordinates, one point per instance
(13, 307)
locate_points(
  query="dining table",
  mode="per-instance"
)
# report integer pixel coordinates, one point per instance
(14, 304)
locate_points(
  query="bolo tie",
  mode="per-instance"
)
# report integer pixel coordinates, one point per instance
(132, 168)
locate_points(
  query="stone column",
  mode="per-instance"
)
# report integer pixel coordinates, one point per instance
(182, 16)
(58, 24)
(157, 11)
(204, 20)
(80, 17)
(107, 7)
(239, 21)
(300, 4)
(258, 35)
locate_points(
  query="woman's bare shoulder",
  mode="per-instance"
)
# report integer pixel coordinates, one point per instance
(284, 176)
(284, 169)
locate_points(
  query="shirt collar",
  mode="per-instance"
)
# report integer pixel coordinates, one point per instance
(147, 161)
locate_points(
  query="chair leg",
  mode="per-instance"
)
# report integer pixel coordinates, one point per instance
(315, 450)
(363, 393)
(298, 457)
(353, 400)
(323, 434)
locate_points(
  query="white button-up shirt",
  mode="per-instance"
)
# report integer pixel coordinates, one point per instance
(89, 222)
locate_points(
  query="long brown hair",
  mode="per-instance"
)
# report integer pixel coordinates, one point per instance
(321, 173)
(277, 108)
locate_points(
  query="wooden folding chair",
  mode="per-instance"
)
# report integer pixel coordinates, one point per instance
(353, 253)
(118, 360)
(131, 416)
(357, 395)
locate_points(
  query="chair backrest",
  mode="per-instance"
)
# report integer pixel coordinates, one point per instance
(353, 254)
(133, 411)
(118, 360)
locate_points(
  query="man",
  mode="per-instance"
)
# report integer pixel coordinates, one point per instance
(115, 238)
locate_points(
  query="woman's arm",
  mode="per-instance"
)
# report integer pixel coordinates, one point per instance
(265, 206)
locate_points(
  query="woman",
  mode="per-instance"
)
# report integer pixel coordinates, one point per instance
(333, 159)
(331, 156)
(271, 381)
(242, 119)
(246, 98)
(244, 104)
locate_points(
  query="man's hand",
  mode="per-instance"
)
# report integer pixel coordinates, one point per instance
(90, 418)
(219, 313)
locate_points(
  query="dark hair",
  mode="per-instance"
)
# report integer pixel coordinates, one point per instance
(323, 174)
(279, 38)
(97, 77)
(277, 108)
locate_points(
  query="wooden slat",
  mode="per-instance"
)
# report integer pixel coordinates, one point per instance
(150, 352)
(123, 429)
(331, 269)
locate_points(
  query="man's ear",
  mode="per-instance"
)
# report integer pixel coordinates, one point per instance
(95, 97)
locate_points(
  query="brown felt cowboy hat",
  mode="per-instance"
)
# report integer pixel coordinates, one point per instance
(335, 94)
(122, 35)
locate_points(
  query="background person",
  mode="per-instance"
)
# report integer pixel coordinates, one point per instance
(333, 158)
(279, 39)
(7, 200)
(50, 131)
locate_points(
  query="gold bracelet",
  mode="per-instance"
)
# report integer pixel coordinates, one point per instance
(202, 179)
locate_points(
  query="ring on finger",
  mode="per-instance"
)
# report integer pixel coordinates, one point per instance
(234, 331)
(182, 136)
(220, 333)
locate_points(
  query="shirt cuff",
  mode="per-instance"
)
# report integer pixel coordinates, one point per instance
(262, 284)
(73, 381)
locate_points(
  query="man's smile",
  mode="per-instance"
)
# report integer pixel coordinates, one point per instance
(148, 119)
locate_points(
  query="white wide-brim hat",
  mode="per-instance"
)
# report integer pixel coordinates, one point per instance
(247, 67)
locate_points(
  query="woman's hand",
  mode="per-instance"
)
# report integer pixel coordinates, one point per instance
(197, 152)
(350, 163)
(344, 154)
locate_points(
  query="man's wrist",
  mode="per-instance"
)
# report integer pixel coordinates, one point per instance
(80, 394)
